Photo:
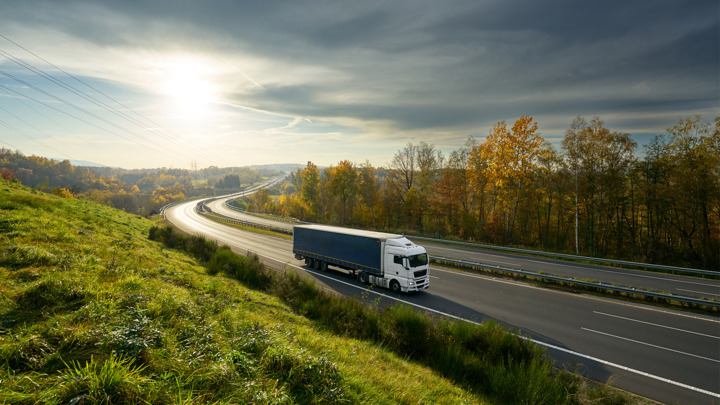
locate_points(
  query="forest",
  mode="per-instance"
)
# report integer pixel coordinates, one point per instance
(142, 191)
(595, 195)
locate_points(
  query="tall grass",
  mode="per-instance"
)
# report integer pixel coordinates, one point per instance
(113, 380)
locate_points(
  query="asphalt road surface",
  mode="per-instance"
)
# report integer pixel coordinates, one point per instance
(666, 355)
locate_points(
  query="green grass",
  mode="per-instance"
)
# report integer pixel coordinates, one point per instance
(94, 311)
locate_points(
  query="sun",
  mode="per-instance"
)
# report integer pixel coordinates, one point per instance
(188, 85)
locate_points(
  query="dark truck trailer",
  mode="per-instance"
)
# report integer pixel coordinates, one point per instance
(384, 259)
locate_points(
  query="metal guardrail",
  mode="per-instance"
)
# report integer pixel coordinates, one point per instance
(202, 209)
(610, 287)
(270, 217)
(672, 269)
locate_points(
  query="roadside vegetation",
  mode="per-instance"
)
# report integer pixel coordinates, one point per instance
(94, 311)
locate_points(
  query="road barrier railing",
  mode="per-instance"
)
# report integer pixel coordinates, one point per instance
(713, 305)
(204, 210)
(598, 260)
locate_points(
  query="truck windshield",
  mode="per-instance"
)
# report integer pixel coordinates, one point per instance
(418, 260)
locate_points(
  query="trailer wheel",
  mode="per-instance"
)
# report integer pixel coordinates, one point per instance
(363, 277)
(316, 264)
(308, 261)
(394, 286)
(323, 266)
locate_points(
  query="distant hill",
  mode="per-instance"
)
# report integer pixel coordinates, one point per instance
(84, 163)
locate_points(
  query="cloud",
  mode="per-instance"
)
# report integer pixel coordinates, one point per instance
(436, 71)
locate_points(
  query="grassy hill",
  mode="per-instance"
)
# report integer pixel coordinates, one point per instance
(92, 311)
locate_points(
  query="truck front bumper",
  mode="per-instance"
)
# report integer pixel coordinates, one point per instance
(419, 284)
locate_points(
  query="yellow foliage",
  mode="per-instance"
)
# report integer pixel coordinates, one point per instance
(62, 192)
(512, 156)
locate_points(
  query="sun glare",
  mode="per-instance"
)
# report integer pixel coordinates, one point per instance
(189, 88)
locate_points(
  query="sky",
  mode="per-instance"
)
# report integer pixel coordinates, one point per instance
(185, 84)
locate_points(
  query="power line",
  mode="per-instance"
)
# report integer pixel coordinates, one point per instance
(31, 126)
(94, 100)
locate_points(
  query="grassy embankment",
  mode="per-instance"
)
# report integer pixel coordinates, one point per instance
(92, 311)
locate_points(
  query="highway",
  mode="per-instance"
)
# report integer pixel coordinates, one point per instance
(662, 354)
(643, 280)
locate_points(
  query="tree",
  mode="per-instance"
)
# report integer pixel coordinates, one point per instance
(368, 193)
(600, 161)
(414, 168)
(692, 155)
(343, 185)
(310, 191)
(512, 162)
(401, 177)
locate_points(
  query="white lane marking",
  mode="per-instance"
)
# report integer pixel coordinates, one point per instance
(548, 345)
(651, 345)
(658, 325)
(698, 292)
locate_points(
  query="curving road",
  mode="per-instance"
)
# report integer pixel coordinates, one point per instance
(665, 355)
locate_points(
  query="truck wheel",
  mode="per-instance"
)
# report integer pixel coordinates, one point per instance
(394, 286)
(362, 276)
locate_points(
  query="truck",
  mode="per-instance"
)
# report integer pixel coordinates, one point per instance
(384, 259)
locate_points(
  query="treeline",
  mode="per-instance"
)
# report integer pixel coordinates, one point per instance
(594, 196)
(141, 192)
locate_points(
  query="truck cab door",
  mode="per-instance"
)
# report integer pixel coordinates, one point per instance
(399, 262)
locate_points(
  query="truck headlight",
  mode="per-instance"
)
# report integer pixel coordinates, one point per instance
(411, 282)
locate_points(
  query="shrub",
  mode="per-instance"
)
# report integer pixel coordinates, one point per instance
(248, 269)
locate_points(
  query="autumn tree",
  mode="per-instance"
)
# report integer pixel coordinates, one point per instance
(261, 201)
(411, 179)
(310, 190)
(343, 185)
(451, 192)
(599, 160)
(512, 162)
(692, 158)
(369, 197)
(401, 177)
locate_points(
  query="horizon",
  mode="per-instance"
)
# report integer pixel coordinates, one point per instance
(135, 85)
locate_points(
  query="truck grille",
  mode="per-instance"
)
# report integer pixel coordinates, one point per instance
(420, 273)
